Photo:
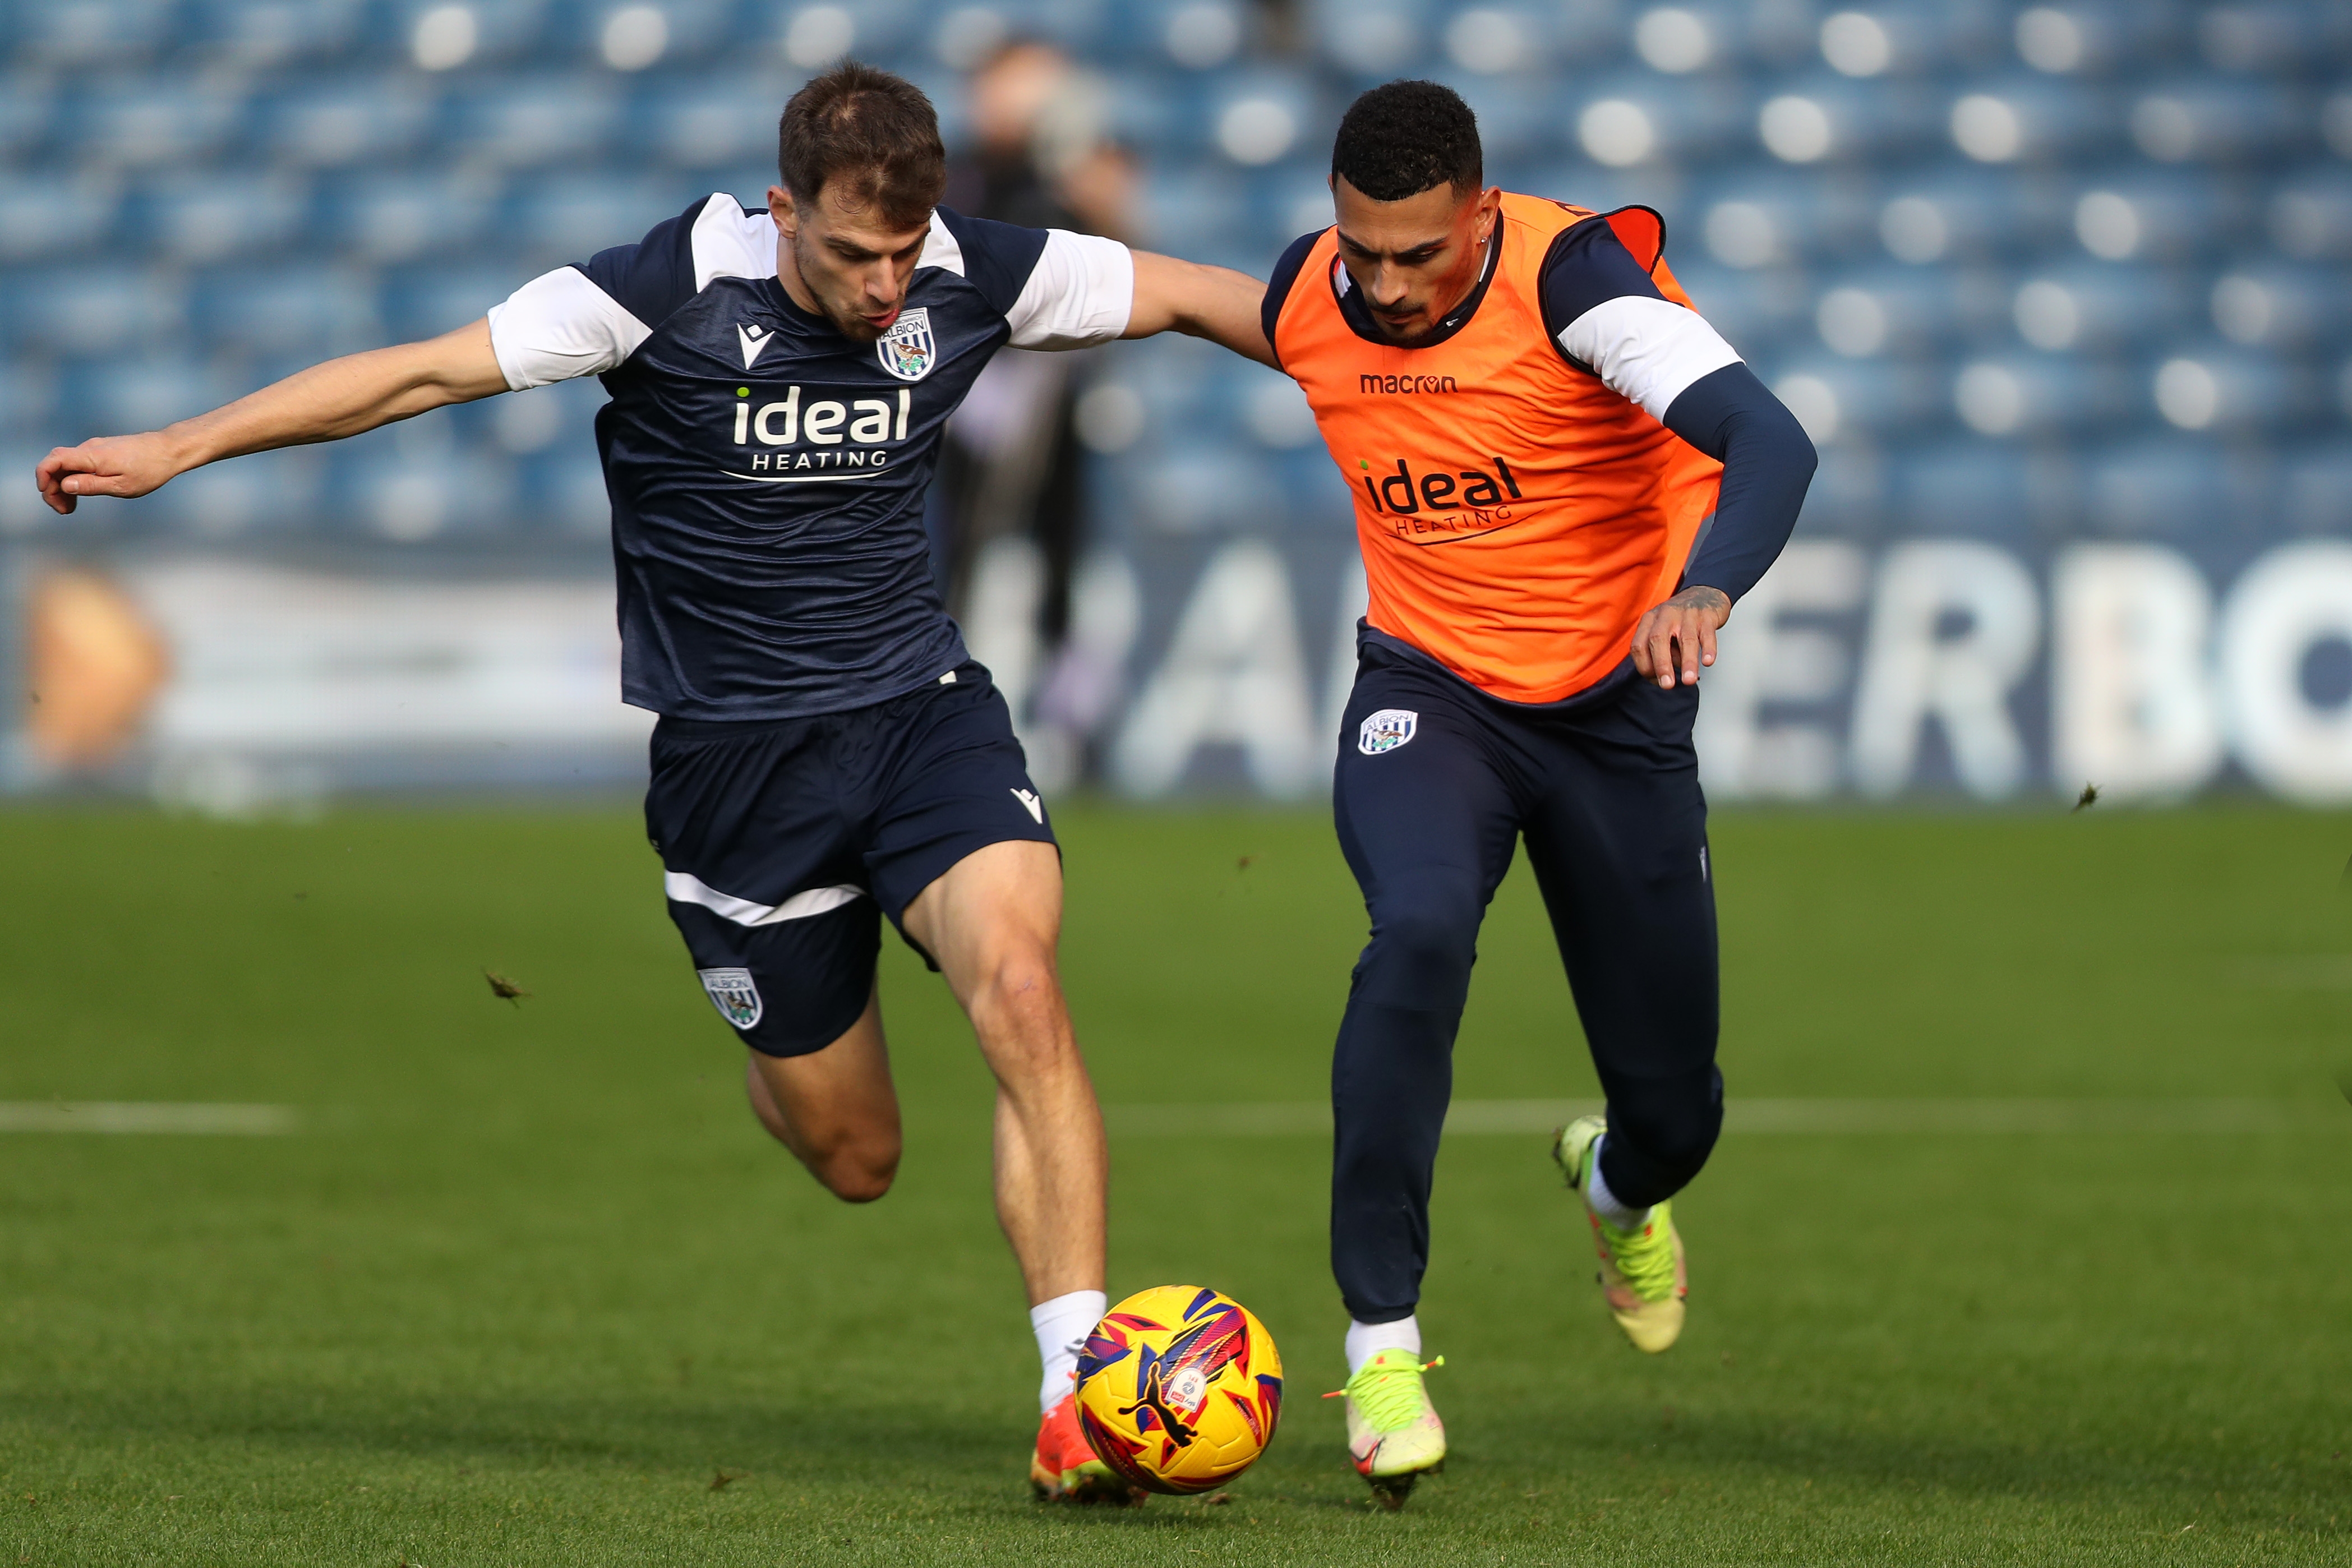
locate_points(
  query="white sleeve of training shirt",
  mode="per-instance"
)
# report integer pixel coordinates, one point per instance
(1081, 291)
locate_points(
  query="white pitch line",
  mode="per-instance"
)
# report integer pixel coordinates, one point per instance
(148, 1116)
(1513, 1117)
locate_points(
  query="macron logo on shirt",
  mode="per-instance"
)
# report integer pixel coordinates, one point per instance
(752, 339)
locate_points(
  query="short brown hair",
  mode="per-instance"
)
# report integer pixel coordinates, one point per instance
(872, 131)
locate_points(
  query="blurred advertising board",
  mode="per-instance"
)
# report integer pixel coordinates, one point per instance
(1215, 663)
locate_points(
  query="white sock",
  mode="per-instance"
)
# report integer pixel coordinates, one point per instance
(1602, 1202)
(1366, 1340)
(1062, 1325)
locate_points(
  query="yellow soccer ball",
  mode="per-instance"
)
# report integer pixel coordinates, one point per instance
(1179, 1389)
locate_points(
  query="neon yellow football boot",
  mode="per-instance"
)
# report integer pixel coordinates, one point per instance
(1393, 1433)
(1642, 1277)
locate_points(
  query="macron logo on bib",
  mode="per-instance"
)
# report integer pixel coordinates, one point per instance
(1386, 730)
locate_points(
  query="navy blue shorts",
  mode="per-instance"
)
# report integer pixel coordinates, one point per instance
(784, 844)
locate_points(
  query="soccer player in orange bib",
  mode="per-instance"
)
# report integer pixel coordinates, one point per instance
(1563, 479)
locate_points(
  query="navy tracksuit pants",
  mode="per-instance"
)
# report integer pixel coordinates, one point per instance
(1604, 789)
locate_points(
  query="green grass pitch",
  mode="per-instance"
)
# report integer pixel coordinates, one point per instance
(532, 1281)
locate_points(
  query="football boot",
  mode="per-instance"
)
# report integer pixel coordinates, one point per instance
(1393, 1433)
(1064, 1470)
(1642, 1274)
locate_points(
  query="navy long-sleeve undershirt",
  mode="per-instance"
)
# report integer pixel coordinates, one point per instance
(1768, 461)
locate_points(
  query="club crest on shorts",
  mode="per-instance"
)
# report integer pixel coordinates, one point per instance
(1386, 730)
(908, 350)
(734, 993)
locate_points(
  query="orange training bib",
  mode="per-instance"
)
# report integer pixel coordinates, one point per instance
(1516, 516)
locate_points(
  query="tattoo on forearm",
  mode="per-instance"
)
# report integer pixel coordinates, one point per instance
(1702, 599)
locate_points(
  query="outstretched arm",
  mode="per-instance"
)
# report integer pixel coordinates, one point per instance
(1212, 302)
(326, 402)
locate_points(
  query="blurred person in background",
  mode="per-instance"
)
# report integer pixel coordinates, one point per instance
(1008, 513)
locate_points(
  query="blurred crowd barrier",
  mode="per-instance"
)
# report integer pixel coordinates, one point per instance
(2059, 290)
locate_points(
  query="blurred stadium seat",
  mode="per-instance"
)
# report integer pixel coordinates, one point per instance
(1948, 234)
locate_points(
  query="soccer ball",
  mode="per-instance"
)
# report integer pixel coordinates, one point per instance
(1179, 1389)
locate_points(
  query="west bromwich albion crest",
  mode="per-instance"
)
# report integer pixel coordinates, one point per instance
(734, 993)
(1386, 730)
(908, 350)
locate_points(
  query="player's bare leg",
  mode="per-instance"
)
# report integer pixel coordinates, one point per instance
(992, 923)
(836, 1108)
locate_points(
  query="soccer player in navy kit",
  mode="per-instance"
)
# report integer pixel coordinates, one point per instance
(827, 753)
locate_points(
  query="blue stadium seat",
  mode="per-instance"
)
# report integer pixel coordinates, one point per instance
(117, 392)
(1903, 310)
(196, 218)
(2289, 39)
(2176, 486)
(166, 122)
(1848, 495)
(557, 420)
(1943, 213)
(2097, 37)
(73, 33)
(2100, 307)
(2210, 121)
(296, 309)
(536, 121)
(55, 215)
(1981, 488)
(1631, 119)
(1714, 39)
(563, 490)
(1518, 116)
(263, 493)
(260, 35)
(1498, 37)
(624, 35)
(809, 33)
(2311, 213)
(2162, 215)
(2293, 309)
(1829, 119)
(1906, 40)
(1871, 401)
(701, 123)
(430, 35)
(1368, 41)
(342, 122)
(2031, 120)
(424, 301)
(1186, 211)
(94, 310)
(1772, 216)
(1188, 35)
(2218, 388)
(2316, 488)
(1757, 311)
(424, 489)
(561, 218)
(382, 216)
(28, 400)
(2039, 396)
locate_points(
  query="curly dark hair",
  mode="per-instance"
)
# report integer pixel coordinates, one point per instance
(875, 132)
(1402, 138)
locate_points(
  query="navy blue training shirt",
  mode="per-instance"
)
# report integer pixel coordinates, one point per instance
(767, 473)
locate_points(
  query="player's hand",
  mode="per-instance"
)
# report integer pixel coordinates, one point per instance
(1679, 636)
(105, 466)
